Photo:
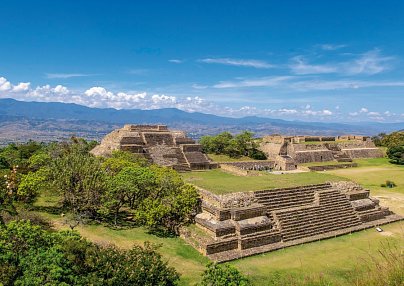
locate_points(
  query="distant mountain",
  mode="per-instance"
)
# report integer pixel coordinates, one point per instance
(21, 120)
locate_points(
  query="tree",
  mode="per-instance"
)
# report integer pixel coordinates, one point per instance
(170, 204)
(242, 144)
(31, 184)
(130, 185)
(396, 154)
(393, 139)
(80, 179)
(223, 275)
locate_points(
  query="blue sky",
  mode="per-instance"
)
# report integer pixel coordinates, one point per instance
(302, 60)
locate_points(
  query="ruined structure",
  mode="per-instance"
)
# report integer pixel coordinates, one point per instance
(236, 225)
(158, 144)
(294, 150)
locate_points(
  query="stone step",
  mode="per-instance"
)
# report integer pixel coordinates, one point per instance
(322, 224)
(319, 231)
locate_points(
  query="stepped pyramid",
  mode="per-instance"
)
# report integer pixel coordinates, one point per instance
(158, 144)
(236, 225)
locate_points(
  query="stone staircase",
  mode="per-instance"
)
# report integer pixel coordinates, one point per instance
(289, 197)
(337, 153)
(333, 212)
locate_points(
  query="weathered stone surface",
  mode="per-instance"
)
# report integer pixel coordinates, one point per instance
(158, 143)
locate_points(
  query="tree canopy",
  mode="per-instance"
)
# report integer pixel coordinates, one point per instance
(242, 144)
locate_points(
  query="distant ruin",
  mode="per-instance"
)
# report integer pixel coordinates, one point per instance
(289, 151)
(236, 225)
(158, 144)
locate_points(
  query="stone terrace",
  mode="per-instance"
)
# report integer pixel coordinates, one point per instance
(242, 224)
(158, 144)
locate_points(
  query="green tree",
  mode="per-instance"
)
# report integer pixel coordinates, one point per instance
(393, 139)
(223, 275)
(396, 154)
(31, 184)
(130, 185)
(80, 179)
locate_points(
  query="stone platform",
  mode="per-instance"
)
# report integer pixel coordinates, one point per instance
(236, 225)
(158, 144)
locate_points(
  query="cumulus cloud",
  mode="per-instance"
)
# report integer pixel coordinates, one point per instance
(258, 64)
(7, 86)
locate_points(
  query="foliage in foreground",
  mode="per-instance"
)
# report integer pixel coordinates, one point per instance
(223, 275)
(30, 255)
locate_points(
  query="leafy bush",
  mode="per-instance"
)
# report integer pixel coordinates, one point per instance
(388, 184)
(30, 255)
(396, 154)
(223, 275)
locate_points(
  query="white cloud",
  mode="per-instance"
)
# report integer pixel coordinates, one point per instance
(176, 61)
(331, 47)
(65, 75)
(305, 85)
(238, 62)
(257, 82)
(299, 66)
(5, 85)
(363, 110)
(369, 63)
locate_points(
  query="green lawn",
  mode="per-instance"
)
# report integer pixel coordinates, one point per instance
(220, 182)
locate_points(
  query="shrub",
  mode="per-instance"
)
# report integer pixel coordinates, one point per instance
(223, 275)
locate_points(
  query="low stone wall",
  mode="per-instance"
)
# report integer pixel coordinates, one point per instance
(237, 171)
(253, 165)
(332, 167)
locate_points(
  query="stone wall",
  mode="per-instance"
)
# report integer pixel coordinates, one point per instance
(332, 167)
(358, 153)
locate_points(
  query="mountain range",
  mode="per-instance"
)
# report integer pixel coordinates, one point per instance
(21, 121)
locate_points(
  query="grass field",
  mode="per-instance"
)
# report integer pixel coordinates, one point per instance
(220, 182)
(335, 260)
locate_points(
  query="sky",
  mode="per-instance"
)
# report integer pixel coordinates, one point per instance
(336, 61)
